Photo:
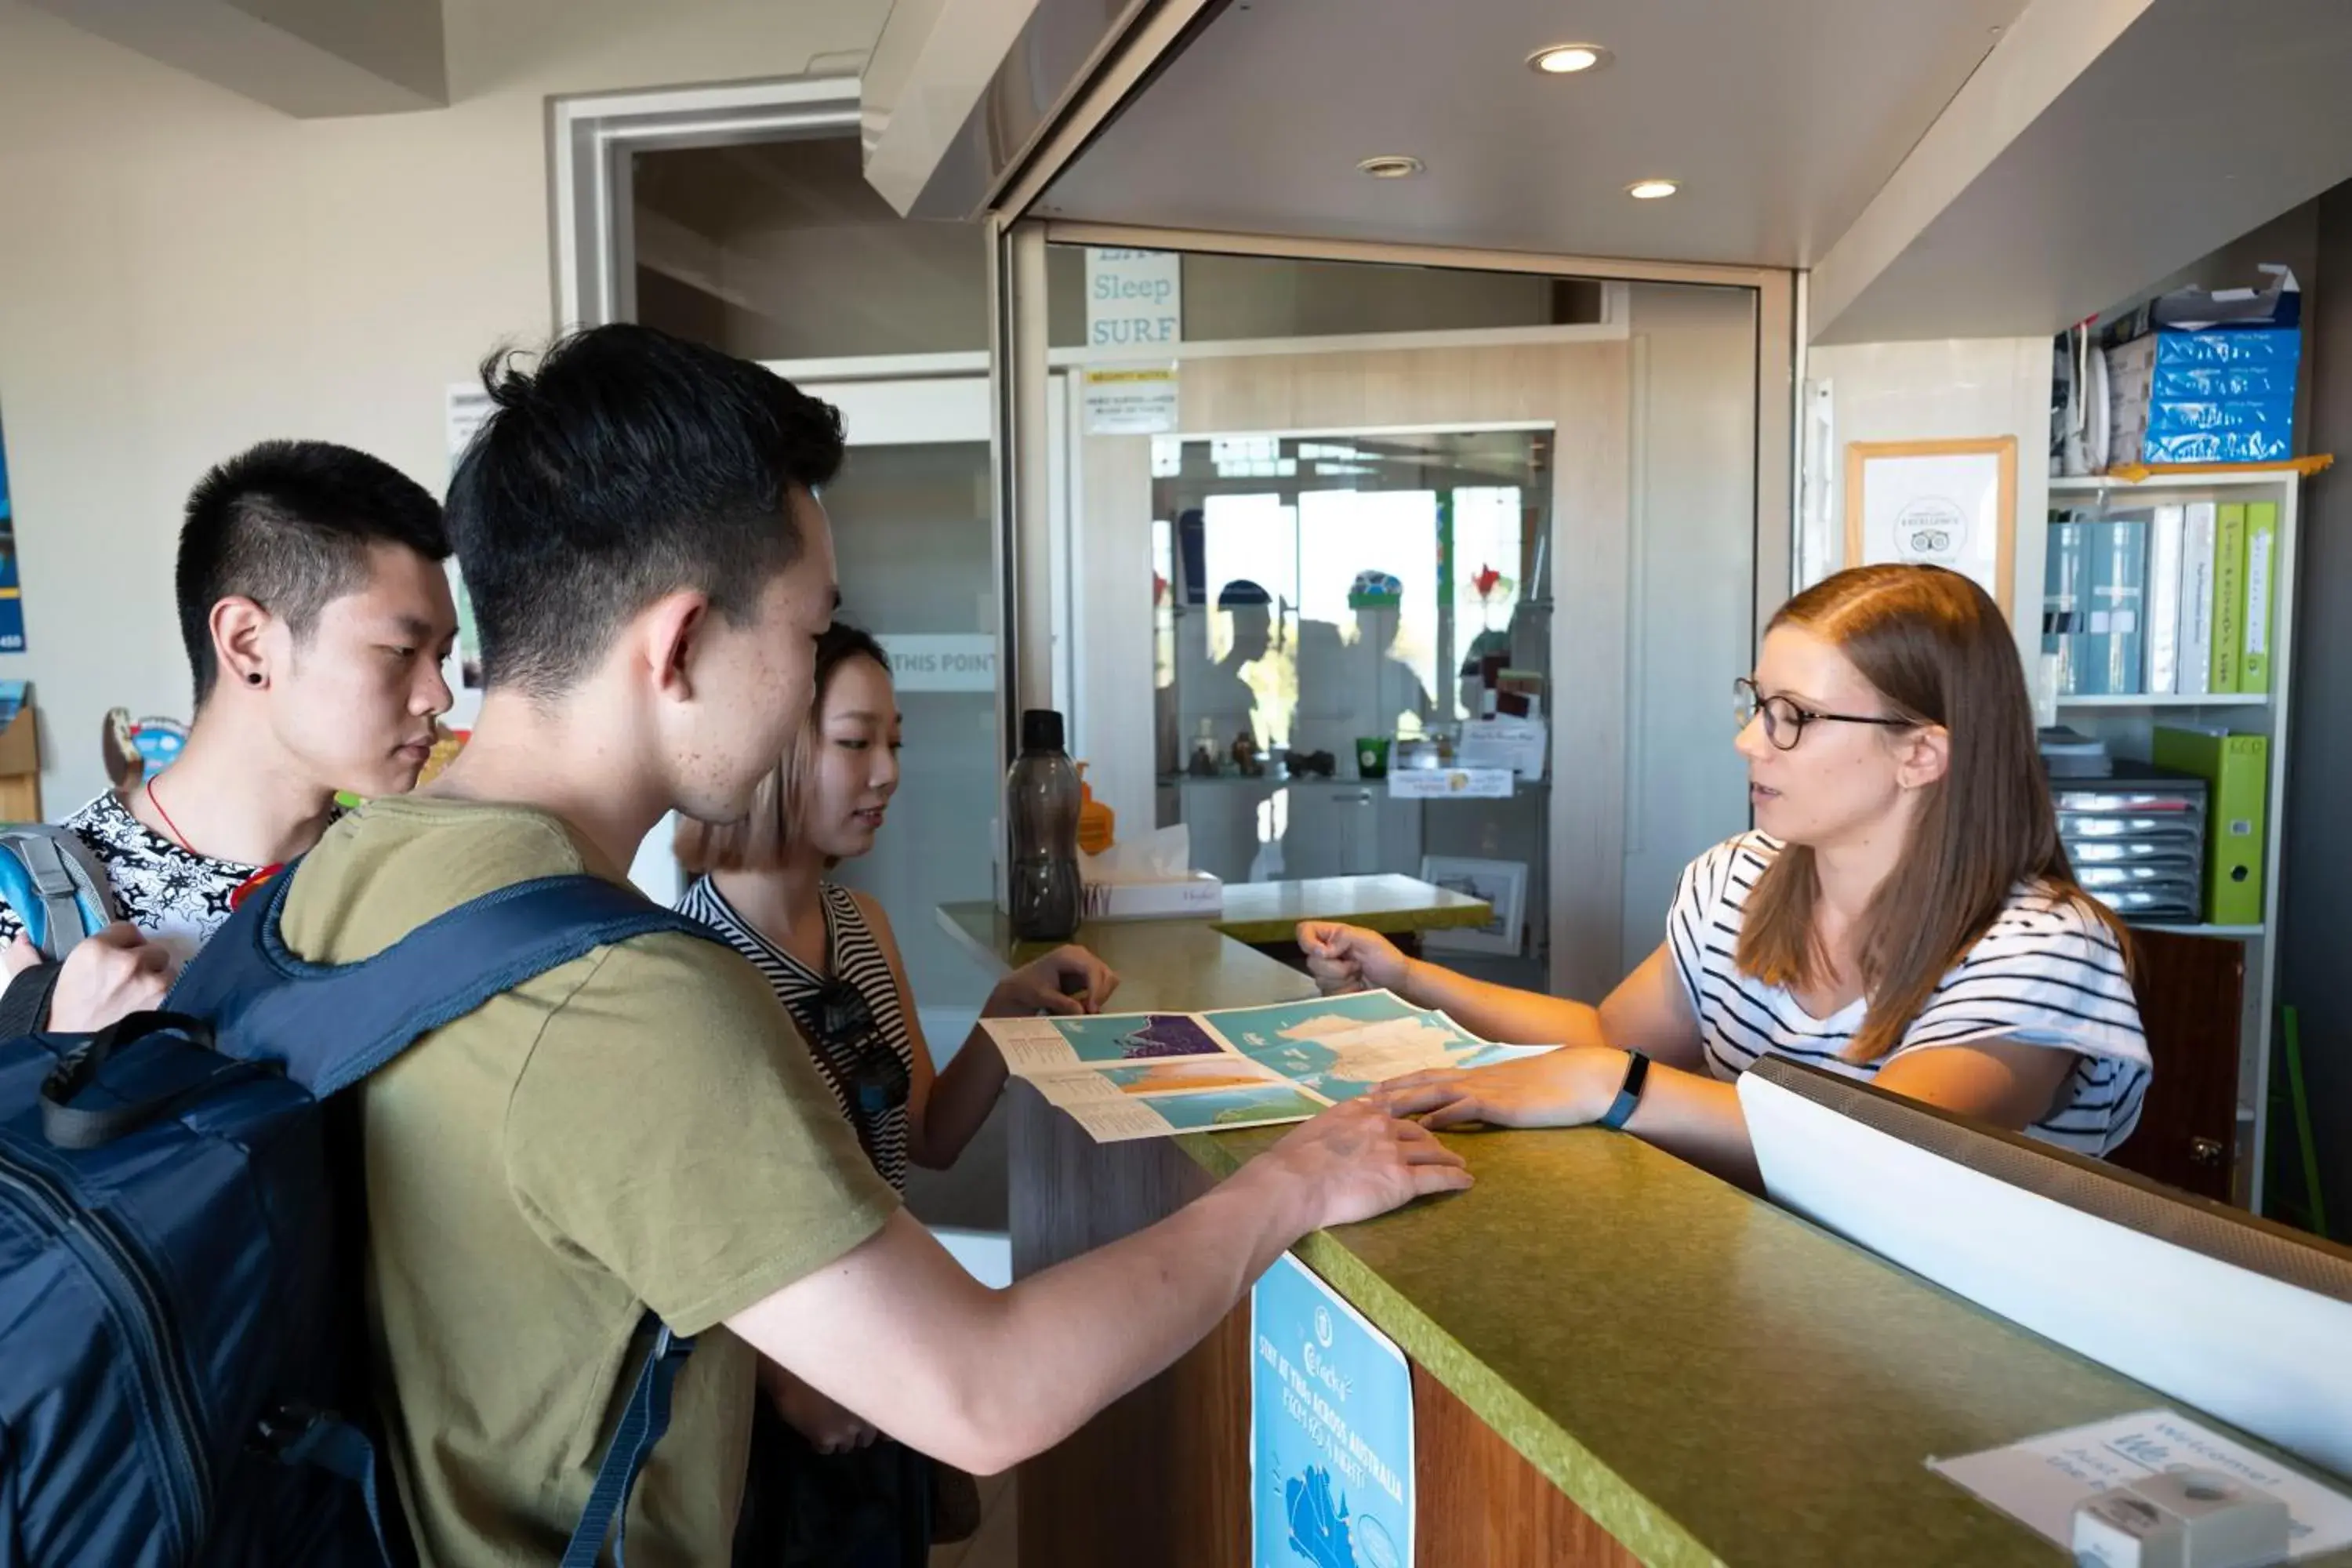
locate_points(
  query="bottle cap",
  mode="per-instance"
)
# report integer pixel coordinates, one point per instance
(1041, 730)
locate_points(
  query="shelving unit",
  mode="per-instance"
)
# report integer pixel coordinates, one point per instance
(2132, 700)
(2126, 721)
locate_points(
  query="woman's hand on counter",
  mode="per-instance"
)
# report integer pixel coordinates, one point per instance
(1352, 1162)
(1566, 1088)
(1069, 980)
(1349, 958)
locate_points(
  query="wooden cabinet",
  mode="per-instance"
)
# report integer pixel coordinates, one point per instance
(2191, 998)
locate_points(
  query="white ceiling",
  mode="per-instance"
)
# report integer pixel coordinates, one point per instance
(310, 58)
(1781, 121)
(2203, 120)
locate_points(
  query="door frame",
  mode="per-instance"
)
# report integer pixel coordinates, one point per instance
(592, 197)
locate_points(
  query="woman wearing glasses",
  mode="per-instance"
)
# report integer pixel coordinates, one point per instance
(831, 956)
(1904, 913)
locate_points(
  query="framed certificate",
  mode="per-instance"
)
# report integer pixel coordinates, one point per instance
(1936, 503)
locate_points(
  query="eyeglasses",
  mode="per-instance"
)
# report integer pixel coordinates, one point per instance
(841, 1024)
(1784, 721)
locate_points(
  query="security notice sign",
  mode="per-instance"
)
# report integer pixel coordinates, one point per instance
(1331, 1430)
(1131, 400)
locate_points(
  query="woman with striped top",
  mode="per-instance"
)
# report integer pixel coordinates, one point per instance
(829, 952)
(1904, 913)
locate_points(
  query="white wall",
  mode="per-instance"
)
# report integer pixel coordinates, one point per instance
(184, 272)
(1952, 389)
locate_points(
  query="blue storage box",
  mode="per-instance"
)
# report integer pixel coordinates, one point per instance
(2196, 377)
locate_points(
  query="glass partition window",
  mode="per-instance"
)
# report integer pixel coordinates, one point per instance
(910, 529)
(1314, 590)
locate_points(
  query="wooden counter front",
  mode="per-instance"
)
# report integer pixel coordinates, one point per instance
(1162, 1479)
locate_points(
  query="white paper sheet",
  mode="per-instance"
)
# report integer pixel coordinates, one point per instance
(2038, 1482)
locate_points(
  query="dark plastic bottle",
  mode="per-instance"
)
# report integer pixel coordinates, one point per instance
(1040, 809)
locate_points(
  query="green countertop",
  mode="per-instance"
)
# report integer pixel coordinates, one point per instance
(1711, 1378)
(1262, 912)
(1270, 911)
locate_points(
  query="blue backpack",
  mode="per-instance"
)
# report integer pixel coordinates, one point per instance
(183, 1365)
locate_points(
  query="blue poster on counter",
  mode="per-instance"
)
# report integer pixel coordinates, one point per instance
(1331, 1430)
(11, 597)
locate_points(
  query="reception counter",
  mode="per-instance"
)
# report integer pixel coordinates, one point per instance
(1615, 1357)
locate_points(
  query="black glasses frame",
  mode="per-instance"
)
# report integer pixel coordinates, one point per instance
(1779, 712)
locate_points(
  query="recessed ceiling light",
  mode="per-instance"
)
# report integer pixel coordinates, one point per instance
(1390, 166)
(1567, 59)
(1652, 190)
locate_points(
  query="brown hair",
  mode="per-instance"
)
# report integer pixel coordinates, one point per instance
(757, 841)
(1938, 649)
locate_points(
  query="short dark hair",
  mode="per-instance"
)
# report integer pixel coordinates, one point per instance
(629, 464)
(288, 525)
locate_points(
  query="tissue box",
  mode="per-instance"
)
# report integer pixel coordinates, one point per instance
(1199, 894)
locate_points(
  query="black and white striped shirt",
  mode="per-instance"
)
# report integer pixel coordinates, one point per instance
(2046, 972)
(853, 956)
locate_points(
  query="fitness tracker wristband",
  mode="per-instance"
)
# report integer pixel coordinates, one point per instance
(1629, 1094)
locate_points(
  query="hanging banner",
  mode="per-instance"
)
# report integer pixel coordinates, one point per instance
(12, 594)
(1331, 1430)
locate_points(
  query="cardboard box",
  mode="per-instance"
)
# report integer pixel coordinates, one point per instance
(20, 752)
(20, 755)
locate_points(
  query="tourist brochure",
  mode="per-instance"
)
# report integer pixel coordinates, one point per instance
(1148, 1075)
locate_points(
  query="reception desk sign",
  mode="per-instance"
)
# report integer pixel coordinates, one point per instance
(1331, 1430)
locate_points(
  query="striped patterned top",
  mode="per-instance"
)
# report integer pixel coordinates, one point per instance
(853, 955)
(2046, 972)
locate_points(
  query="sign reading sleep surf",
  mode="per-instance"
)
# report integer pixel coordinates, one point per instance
(1134, 299)
(1331, 1430)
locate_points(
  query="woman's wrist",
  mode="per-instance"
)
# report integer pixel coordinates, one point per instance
(1410, 978)
(1600, 1072)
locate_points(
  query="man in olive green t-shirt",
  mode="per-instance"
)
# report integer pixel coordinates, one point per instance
(638, 527)
(632, 1129)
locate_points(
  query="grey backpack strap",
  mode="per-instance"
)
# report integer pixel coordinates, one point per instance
(64, 879)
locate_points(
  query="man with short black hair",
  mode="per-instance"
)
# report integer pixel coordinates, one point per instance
(316, 614)
(650, 567)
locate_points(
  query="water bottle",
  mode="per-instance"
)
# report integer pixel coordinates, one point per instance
(1041, 811)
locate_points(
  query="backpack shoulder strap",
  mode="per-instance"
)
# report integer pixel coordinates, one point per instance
(330, 1026)
(56, 888)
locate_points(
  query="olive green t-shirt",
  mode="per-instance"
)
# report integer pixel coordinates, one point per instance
(639, 1128)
